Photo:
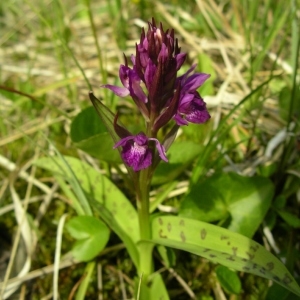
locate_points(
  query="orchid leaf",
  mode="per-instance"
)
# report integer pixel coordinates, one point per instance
(228, 279)
(245, 199)
(89, 134)
(222, 246)
(100, 188)
(91, 235)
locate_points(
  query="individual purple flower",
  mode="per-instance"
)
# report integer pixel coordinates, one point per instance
(136, 152)
(191, 107)
(132, 87)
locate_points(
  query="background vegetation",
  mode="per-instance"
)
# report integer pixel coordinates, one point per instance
(53, 52)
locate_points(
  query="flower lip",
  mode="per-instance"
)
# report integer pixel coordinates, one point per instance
(136, 153)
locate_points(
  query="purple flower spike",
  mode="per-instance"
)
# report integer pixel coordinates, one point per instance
(136, 152)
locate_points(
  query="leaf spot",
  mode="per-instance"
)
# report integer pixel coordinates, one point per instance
(169, 227)
(224, 237)
(228, 243)
(254, 248)
(270, 266)
(262, 270)
(230, 258)
(246, 269)
(251, 256)
(276, 278)
(286, 279)
(162, 235)
(234, 250)
(160, 221)
(203, 234)
(206, 250)
(181, 223)
(182, 235)
(212, 255)
(254, 266)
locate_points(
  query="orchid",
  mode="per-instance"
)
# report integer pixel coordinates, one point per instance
(166, 102)
(162, 97)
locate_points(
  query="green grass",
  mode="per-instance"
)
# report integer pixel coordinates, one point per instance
(53, 53)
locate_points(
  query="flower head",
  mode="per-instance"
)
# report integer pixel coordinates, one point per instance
(136, 152)
(159, 94)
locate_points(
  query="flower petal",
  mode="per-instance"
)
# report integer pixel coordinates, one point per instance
(137, 157)
(195, 81)
(119, 91)
(160, 148)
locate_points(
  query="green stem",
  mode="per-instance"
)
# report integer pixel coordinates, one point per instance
(145, 248)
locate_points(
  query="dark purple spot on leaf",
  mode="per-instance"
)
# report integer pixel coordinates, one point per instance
(270, 266)
(286, 279)
(203, 233)
(230, 258)
(234, 250)
(162, 235)
(254, 248)
(262, 270)
(251, 256)
(182, 235)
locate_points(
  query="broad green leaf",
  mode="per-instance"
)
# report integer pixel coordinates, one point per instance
(276, 291)
(108, 217)
(86, 124)
(180, 155)
(222, 246)
(91, 235)
(246, 199)
(101, 147)
(89, 134)
(228, 279)
(111, 203)
(98, 187)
